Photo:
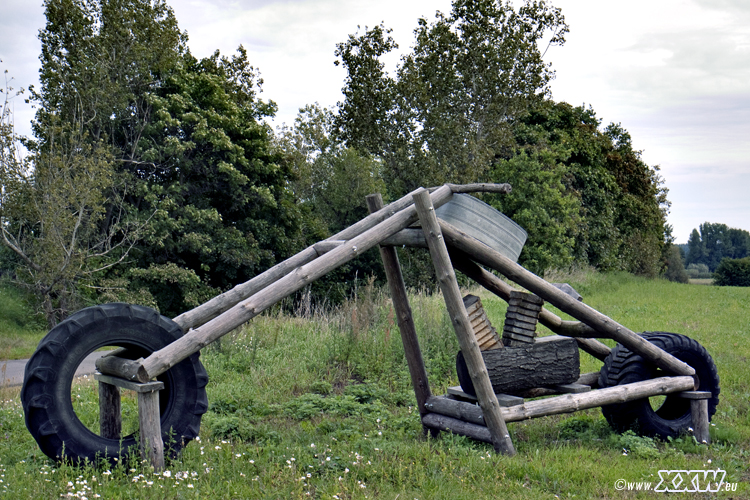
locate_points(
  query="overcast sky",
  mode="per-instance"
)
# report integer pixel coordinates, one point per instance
(674, 73)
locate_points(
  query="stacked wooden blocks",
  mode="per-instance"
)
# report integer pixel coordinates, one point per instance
(485, 333)
(521, 318)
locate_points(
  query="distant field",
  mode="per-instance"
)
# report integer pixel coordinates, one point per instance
(322, 407)
(706, 281)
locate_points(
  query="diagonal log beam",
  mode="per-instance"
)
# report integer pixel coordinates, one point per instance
(460, 319)
(586, 314)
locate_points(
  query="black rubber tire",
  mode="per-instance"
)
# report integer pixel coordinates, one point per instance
(46, 391)
(672, 418)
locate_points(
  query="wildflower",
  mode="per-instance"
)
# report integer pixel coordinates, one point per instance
(167, 473)
(190, 485)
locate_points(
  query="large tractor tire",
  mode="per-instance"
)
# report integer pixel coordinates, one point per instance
(670, 416)
(47, 386)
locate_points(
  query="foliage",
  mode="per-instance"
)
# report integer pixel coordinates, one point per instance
(62, 213)
(716, 242)
(445, 114)
(698, 271)
(733, 272)
(675, 269)
(619, 218)
(188, 137)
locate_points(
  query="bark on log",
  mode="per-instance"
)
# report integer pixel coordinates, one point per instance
(515, 369)
(456, 426)
(453, 301)
(596, 320)
(567, 403)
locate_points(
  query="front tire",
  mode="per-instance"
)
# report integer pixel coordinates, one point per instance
(672, 417)
(46, 392)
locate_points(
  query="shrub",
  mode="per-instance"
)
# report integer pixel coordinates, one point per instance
(675, 270)
(698, 271)
(733, 272)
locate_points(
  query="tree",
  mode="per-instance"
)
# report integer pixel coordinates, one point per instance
(60, 214)
(188, 137)
(675, 270)
(733, 272)
(447, 113)
(716, 242)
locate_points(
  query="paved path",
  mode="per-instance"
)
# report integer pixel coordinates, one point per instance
(11, 372)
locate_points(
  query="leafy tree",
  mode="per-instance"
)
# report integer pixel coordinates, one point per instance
(61, 214)
(716, 242)
(187, 137)
(733, 272)
(447, 112)
(675, 270)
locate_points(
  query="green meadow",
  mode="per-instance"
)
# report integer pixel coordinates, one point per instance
(320, 406)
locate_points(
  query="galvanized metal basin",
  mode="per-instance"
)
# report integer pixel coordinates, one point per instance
(476, 218)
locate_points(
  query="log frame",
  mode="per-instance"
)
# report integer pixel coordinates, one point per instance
(447, 279)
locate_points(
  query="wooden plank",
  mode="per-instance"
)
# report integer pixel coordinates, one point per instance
(617, 394)
(152, 446)
(404, 317)
(110, 414)
(699, 415)
(695, 395)
(571, 388)
(503, 399)
(453, 301)
(160, 361)
(128, 384)
(221, 303)
(563, 301)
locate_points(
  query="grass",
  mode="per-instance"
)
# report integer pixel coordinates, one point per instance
(321, 407)
(20, 329)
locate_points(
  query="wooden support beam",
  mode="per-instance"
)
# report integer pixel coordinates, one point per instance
(403, 316)
(456, 426)
(110, 413)
(452, 295)
(149, 418)
(699, 414)
(593, 318)
(567, 403)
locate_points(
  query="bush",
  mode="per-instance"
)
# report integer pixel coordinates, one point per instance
(733, 272)
(675, 270)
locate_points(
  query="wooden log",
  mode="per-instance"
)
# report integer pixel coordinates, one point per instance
(121, 367)
(453, 301)
(110, 413)
(564, 302)
(456, 426)
(699, 415)
(221, 303)
(567, 403)
(600, 397)
(514, 369)
(152, 446)
(404, 317)
(160, 361)
(590, 380)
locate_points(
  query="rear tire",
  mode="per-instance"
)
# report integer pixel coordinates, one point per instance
(46, 392)
(672, 417)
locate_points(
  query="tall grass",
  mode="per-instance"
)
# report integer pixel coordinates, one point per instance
(319, 405)
(20, 329)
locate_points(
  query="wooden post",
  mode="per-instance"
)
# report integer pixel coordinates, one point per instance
(699, 414)
(149, 418)
(110, 413)
(596, 320)
(452, 295)
(404, 316)
(152, 446)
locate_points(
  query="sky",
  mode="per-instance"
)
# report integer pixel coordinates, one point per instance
(674, 73)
